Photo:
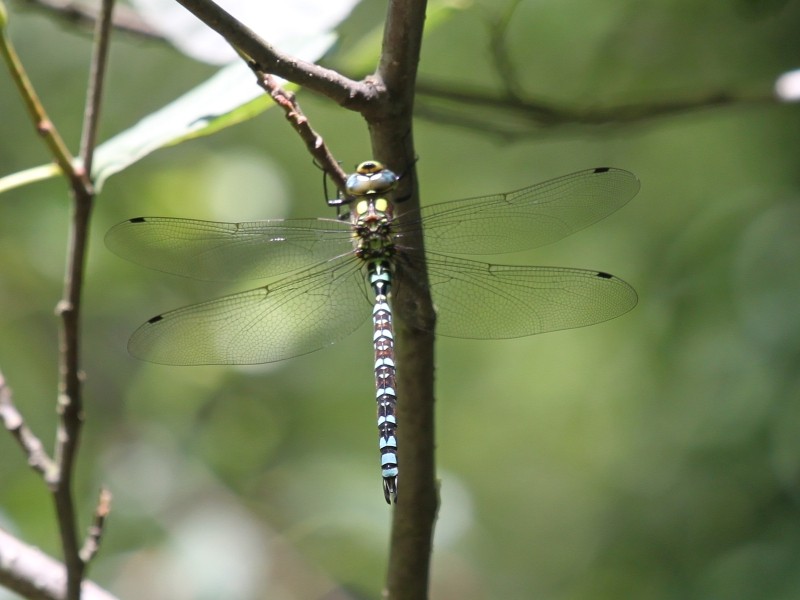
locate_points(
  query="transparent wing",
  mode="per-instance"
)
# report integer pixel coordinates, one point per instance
(534, 216)
(228, 251)
(482, 301)
(293, 316)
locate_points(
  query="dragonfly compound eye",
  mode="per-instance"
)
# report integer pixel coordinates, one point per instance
(369, 166)
(370, 178)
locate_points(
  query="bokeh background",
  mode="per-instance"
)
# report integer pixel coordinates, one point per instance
(656, 456)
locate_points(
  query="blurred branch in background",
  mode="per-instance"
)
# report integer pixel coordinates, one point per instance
(512, 117)
(512, 114)
(33, 574)
(125, 18)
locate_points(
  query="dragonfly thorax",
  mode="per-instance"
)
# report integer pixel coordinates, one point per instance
(372, 218)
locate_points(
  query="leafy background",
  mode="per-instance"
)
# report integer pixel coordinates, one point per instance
(652, 457)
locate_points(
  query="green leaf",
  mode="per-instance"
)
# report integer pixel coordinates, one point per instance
(229, 97)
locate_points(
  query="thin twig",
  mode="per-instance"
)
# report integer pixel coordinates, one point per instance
(344, 91)
(95, 534)
(38, 458)
(314, 142)
(498, 49)
(514, 117)
(94, 92)
(44, 126)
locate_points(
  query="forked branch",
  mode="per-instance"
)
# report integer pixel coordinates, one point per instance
(58, 471)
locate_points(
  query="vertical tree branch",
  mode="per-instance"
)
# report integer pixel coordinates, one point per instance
(94, 94)
(390, 125)
(70, 403)
(58, 472)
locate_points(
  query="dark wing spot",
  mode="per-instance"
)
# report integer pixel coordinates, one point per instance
(155, 319)
(137, 220)
(602, 275)
(602, 170)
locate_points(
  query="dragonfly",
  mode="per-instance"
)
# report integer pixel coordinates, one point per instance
(328, 274)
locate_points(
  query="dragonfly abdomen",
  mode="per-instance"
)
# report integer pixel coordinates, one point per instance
(385, 376)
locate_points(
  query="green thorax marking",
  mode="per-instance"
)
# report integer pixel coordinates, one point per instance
(372, 213)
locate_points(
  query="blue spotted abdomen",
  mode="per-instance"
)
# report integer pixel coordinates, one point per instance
(385, 377)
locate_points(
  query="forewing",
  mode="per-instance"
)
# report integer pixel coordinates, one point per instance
(533, 216)
(217, 251)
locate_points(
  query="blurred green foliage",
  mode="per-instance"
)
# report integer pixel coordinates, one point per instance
(654, 457)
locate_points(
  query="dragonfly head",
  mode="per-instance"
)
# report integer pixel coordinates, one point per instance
(371, 177)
